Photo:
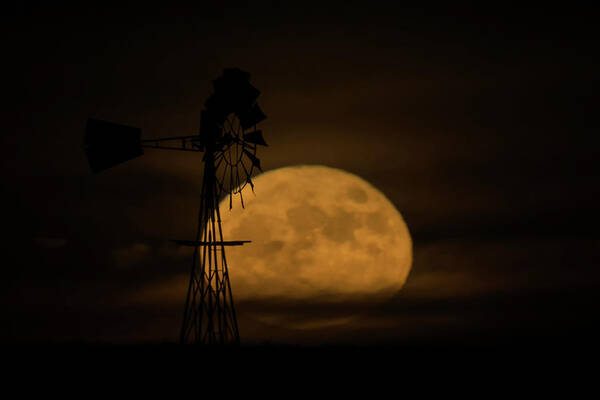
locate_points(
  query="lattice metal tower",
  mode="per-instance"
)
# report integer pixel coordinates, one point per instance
(228, 138)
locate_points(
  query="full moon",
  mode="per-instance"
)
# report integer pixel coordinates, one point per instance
(318, 234)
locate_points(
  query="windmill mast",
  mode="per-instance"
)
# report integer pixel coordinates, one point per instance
(209, 314)
(229, 139)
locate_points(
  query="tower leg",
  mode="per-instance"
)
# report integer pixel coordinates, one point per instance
(209, 315)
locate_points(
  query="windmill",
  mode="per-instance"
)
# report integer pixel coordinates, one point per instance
(228, 138)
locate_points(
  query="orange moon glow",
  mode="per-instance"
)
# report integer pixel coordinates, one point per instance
(318, 234)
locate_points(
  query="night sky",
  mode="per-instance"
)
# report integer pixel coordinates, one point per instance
(479, 125)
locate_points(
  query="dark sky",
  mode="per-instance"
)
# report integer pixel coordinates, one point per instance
(478, 124)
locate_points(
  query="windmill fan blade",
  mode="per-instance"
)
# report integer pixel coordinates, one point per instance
(233, 92)
(219, 106)
(231, 76)
(251, 116)
(255, 137)
(209, 127)
(254, 159)
(108, 144)
(244, 97)
(236, 72)
(232, 80)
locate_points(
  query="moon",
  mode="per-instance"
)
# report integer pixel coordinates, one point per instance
(319, 235)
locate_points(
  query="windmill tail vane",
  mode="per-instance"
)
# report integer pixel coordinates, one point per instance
(228, 139)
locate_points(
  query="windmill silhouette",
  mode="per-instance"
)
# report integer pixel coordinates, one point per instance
(229, 139)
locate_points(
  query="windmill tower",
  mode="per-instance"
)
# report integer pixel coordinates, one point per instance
(228, 139)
